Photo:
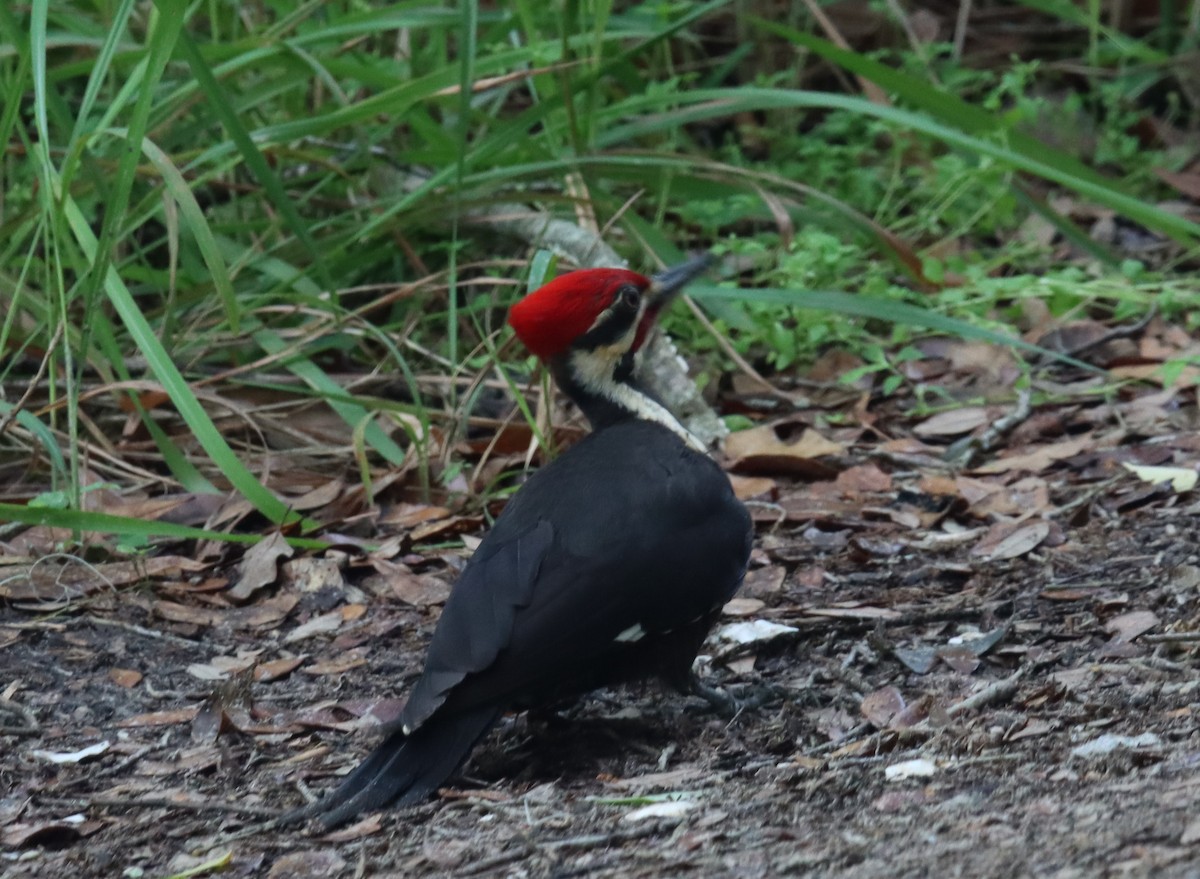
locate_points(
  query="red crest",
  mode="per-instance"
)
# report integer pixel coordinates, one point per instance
(550, 318)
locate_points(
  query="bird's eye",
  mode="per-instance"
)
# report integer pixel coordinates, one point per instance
(630, 298)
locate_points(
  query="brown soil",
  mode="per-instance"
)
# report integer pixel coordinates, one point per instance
(795, 786)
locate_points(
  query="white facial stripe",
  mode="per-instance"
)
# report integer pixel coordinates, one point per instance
(601, 317)
(604, 315)
(594, 370)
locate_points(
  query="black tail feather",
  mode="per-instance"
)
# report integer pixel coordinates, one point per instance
(403, 769)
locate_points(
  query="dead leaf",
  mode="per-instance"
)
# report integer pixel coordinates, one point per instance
(311, 864)
(259, 567)
(1008, 541)
(853, 613)
(762, 582)
(902, 800)
(368, 826)
(214, 715)
(826, 540)
(261, 614)
(419, 590)
(1032, 728)
(960, 659)
(309, 574)
(339, 664)
(125, 677)
(1187, 182)
(742, 607)
(672, 779)
(318, 625)
(160, 718)
(1106, 743)
(752, 632)
(1040, 458)
(445, 528)
(980, 643)
(265, 672)
(989, 499)
(1182, 479)
(747, 487)
(407, 515)
(43, 833)
(861, 479)
(186, 613)
(204, 672)
(1191, 833)
(953, 423)
(317, 498)
(668, 810)
(53, 580)
(919, 660)
(1064, 594)
(939, 486)
(760, 450)
(1128, 626)
(1187, 377)
(881, 706)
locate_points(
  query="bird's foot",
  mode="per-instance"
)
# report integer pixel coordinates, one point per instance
(749, 698)
(721, 702)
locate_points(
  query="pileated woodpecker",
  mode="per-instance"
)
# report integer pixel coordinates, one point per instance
(610, 564)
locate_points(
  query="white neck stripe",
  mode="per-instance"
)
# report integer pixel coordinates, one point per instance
(593, 370)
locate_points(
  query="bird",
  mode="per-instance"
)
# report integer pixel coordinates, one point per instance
(609, 565)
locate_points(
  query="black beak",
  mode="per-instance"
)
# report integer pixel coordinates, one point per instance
(667, 283)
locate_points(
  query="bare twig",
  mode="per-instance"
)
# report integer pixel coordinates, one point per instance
(144, 632)
(840, 742)
(501, 860)
(965, 452)
(998, 691)
(1171, 638)
(19, 406)
(960, 28)
(103, 802)
(1119, 332)
(875, 94)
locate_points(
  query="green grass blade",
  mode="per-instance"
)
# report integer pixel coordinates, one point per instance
(106, 523)
(358, 417)
(176, 386)
(197, 224)
(1041, 160)
(30, 422)
(837, 302)
(222, 107)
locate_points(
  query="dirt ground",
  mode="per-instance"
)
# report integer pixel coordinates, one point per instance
(930, 713)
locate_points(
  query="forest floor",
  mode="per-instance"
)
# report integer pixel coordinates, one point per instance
(986, 667)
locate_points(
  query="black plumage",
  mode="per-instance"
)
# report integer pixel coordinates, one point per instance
(610, 564)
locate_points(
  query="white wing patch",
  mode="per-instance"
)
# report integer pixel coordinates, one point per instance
(633, 633)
